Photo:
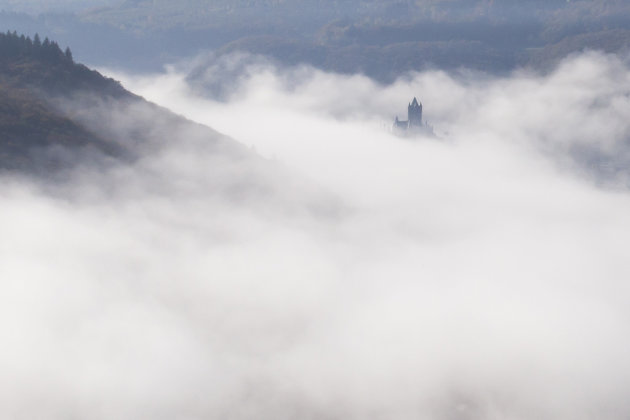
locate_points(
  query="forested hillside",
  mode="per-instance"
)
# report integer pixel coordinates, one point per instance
(31, 71)
(56, 113)
(383, 39)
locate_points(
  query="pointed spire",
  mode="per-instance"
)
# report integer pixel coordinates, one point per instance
(415, 101)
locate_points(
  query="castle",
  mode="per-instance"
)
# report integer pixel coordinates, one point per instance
(414, 119)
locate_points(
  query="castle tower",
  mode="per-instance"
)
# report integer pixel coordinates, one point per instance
(414, 112)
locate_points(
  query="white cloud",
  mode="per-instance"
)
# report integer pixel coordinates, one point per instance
(478, 275)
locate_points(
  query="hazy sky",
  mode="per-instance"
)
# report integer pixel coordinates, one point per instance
(481, 274)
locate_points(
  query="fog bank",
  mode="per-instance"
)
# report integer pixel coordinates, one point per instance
(480, 274)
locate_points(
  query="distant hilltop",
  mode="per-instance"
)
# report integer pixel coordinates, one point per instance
(414, 123)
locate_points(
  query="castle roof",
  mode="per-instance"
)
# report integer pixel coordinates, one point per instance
(414, 102)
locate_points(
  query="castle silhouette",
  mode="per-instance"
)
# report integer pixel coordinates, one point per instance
(414, 119)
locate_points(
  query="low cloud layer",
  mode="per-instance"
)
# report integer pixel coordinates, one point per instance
(480, 274)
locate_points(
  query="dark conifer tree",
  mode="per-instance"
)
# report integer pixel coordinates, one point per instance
(68, 54)
(36, 41)
(55, 50)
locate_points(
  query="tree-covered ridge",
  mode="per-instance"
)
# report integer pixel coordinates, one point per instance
(33, 63)
(13, 46)
(55, 113)
(32, 74)
(161, 14)
(381, 38)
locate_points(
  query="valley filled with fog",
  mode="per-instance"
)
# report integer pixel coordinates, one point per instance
(322, 267)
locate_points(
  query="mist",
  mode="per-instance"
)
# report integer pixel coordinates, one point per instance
(345, 272)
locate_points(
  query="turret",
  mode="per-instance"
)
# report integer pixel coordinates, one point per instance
(414, 113)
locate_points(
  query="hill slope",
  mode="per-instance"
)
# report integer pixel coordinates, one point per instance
(383, 39)
(54, 112)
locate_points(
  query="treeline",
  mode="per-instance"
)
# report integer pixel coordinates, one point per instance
(27, 63)
(13, 46)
